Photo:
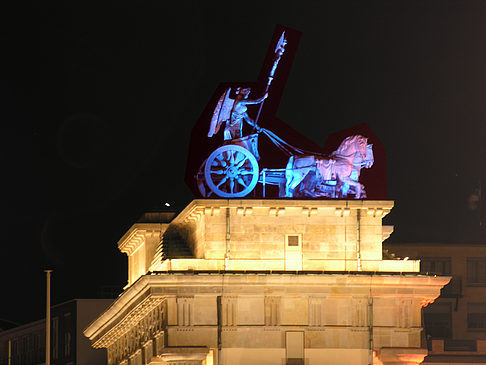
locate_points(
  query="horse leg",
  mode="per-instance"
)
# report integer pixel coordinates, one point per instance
(354, 183)
(288, 177)
(281, 190)
(292, 183)
(293, 177)
(310, 183)
(288, 190)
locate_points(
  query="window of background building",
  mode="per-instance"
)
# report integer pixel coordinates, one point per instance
(27, 348)
(67, 344)
(36, 340)
(476, 316)
(38, 348)
(476, 271)
(67, 334)
(15, 350)
(55, 338)
(435, 265)
(438, 320)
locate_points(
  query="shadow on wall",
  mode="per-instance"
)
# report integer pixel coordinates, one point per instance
(178, 242)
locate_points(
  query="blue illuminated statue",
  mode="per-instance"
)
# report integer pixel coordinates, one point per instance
(233, 112)
(333, 176)
(232, 170)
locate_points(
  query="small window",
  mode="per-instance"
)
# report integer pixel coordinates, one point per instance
(476, 316)
(435, 265)
(67, 344)
(55, 338)
(476, 271)
(438, 320)
(292, 240)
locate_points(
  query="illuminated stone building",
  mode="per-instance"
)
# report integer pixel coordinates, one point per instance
(266, 282)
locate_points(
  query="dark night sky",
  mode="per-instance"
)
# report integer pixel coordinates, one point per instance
(98, 102)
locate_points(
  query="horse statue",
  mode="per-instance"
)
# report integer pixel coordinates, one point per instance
(359, 162)
(331, 176)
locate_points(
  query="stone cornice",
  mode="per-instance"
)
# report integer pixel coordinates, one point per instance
(286, 280)
(129, 320)
(387, 231)
(133, 241)
(135, 236)
(199, 207)
(150, 290)
(129, 300)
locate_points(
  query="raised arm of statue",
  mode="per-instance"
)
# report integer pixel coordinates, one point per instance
(233, 112)
(257, 101)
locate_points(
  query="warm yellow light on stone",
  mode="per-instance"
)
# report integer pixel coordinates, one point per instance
(264, 272)
(257, 231)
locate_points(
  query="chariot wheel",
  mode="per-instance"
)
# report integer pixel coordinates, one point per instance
(231, 171)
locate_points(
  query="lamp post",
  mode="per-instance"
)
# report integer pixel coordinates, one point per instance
(48, 316)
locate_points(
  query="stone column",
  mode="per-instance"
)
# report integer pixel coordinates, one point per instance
(401, 355)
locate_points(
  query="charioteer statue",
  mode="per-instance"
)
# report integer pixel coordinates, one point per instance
(233, 112)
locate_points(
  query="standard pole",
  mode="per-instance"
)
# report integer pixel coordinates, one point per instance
(48, 317)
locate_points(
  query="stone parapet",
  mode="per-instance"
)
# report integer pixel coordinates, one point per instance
(398, 266)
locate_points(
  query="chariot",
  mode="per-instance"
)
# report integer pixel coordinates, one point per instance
(232, 170)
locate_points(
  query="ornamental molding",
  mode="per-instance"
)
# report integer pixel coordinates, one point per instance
(159, 286)
(137, 234)
(134, 319)
(128, 301)
(132, 242)
(276, 207)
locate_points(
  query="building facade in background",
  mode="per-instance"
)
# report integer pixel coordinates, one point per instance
(455, 324)
(68, 345)
(266, 282)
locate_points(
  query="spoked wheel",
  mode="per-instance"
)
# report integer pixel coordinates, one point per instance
(231, 171)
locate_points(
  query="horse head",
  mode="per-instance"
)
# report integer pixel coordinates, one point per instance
(351, 155)
(352, 145)
(369, 159)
